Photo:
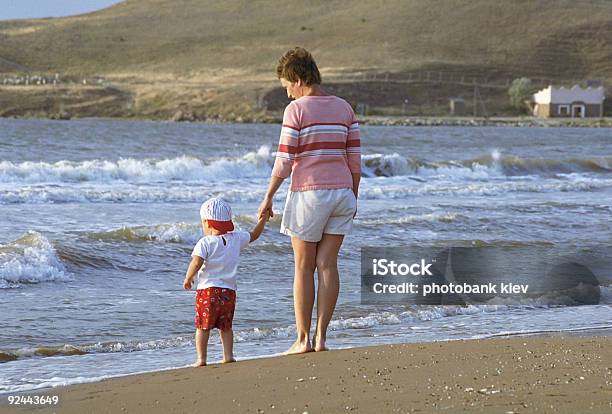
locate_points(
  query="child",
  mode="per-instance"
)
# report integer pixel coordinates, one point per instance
(215, 260)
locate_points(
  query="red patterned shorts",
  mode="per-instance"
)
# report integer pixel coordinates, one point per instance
(215, 308)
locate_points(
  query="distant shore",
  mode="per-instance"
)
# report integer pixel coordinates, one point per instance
(425, 121)
(566, 374)
(492, 121)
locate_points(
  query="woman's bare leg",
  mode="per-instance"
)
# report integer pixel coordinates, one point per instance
(304, 254)
(329, 285)
(201, 347)
(227, 339)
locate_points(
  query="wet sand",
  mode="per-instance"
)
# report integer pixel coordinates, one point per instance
(547, 374)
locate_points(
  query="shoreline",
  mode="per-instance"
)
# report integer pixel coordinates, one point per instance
(411, 121)
(517, 374)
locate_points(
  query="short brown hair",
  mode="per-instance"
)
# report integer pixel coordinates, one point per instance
(298, 63)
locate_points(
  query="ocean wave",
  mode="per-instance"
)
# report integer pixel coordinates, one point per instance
(412, 314)
(391, 188)
(349, 322)
(605, 294)
(126, 193)
(190, 233)
(30, 259)
(403, 189)
(168, 233)
(184, 168)
(254, 334)
(188, 179)
(526, 332)
(258, 164)
(493, 165)
(82, 256)
(173, 232)
(448, 217)
(45, 351)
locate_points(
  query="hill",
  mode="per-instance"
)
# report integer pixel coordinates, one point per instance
(208, 58)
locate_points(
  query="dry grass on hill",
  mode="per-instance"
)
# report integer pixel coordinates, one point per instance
(168, 54)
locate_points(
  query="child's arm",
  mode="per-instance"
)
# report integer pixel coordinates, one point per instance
(256, 232)
(192, 270)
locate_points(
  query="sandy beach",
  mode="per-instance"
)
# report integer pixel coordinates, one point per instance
(507, 375)
(472, 139)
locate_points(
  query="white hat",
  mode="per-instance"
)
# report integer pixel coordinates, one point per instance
(216, 209)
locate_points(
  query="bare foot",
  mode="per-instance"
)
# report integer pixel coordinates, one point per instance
(199, 363)
(228, 361)
(299, 348)
(318, 344)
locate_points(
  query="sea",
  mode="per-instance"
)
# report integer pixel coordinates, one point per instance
(98, 219)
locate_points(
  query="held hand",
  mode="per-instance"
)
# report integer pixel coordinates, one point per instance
(265, 206)
(187, 284)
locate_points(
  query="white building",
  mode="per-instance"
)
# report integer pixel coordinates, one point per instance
(574, 102)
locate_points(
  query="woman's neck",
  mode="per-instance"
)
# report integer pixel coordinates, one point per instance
(313, 90)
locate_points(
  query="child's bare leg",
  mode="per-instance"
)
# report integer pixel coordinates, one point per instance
(201, 347)
(227, 339)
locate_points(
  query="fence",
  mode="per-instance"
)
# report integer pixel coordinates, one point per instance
(441, 77)
(56, 79)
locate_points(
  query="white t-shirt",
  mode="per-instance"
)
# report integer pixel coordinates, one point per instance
(220, 259)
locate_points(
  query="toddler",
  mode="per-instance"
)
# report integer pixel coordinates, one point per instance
(215, 260)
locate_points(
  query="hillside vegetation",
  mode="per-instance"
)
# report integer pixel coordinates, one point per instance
(210, 57)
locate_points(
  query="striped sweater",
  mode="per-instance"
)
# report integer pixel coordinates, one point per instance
(319, 144)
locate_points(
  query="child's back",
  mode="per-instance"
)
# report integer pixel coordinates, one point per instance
(221, 256)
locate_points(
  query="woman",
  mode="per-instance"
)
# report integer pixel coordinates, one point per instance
(320, 148)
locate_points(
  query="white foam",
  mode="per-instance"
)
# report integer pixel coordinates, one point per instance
(253, 191)
(370, 320)
(390, 165)
(446, 217)
(31, 259)
(125, 193)
(606, 294)
(387, 176)
(258, 164)
(264, 333)
(54, 382)
(460, 173)
(425, 313)
(527, 332)
(184, 168)
(168, 233)
(385, 164)
(402, 187)
(138, 345)
(491, 166)
(181, 232)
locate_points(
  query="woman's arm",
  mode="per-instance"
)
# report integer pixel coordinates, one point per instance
(353, 151)
(266, 204)
(356, 180)
(285, 154)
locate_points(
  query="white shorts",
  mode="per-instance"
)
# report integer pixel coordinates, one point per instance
(309, 214)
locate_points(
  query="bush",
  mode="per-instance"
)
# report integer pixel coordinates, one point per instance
(521, 91)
